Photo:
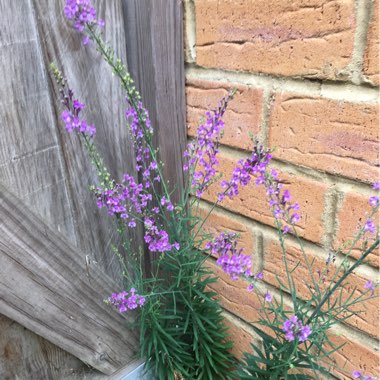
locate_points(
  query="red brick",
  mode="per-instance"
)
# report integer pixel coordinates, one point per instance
(234, 296)
(352, 214)
(338, 137)
(217, 223)
(310, 39)
(243, 114)
(367, 321)
(371, 58)
(240, 337)
(354, 356)
(252, 200)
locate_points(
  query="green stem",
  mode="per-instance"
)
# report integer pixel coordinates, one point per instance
(356, 239)
(133, 97)
(345, 275)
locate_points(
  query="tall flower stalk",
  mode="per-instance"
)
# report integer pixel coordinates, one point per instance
(181, 327)
(182, 334)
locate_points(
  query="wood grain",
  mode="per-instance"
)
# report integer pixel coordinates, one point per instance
(154, 40)
(30, 160)
(43, 287)
(31, 165)
(92, 82)
(48, 170)
(25, 355)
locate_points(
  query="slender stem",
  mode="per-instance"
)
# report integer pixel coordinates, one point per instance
(209, 213)
(356, 239)
(309, 267)
(345, 275)
(292, 286)
(133, 98)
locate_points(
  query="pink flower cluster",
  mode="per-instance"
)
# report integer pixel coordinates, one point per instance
(201, 155)
(70, 115)
(141, 128)
(295, 329)
(231, 260)
(124, 199)
(279, 202)
(157, 240)
(125, 301)
(374, 201)
(358, 375)
(81, 12)
(255, 166)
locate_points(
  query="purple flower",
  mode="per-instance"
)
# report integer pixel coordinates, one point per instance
(358, 375)
(157, 240)
(125, 301)
(81, 12)
(268, 297)
(70, 116)
(203, 153)
(376, 186)
(293, 329)
(232, 261)
(370, 226)
(86, 40)
(374, 201)
(141, 130)
(278, 213)
(132, 224)
(77, 105)
(259, 276)
(250, 287)
(370, 285)
(295, 218)
(255, 166)
(286, 197)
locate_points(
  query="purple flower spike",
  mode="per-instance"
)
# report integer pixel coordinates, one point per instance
(70, 115)
(370, 285)
(157, 240)
(81, 12)
(255, 166)
(374, 201)
(295, 218)
(293, 329)
(268, 297)
(203, 153)
(125, 301)
(358, 375)
(231, 259)
(370, 226)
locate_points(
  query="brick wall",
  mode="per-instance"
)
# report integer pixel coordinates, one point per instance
(307, 75)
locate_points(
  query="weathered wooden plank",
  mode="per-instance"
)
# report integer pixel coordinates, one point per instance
(93, 83)
(31, 165)
(130, 372)
(28, 143)
(37, 359)
(153, 30)
(43, 286)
